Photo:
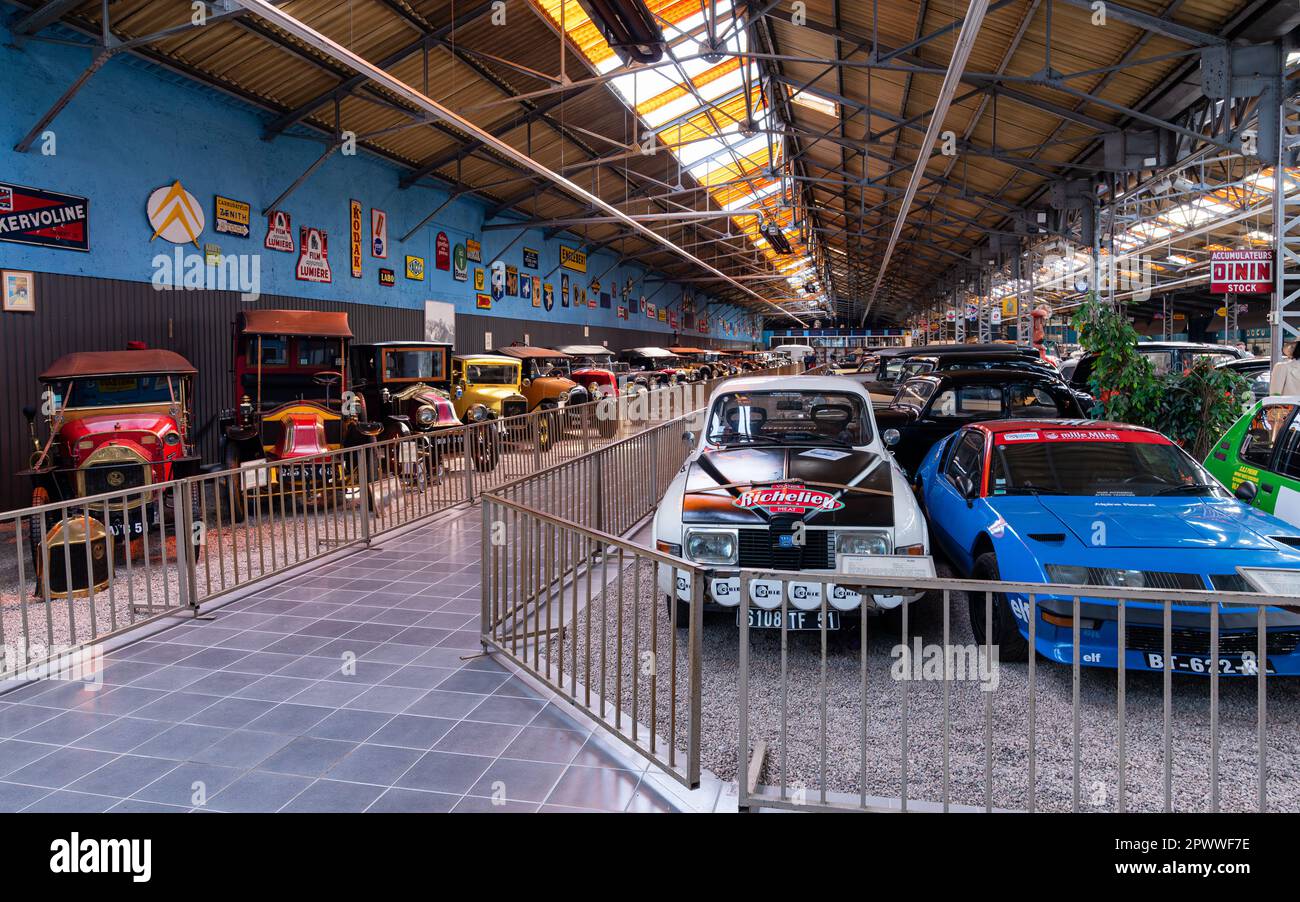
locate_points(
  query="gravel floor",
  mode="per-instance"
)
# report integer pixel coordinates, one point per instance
(967, 703)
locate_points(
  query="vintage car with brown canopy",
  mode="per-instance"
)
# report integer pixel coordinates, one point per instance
(113, 421)
(293, 407)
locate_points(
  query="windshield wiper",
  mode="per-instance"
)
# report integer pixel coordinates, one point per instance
(744, 439)
(1185, 486)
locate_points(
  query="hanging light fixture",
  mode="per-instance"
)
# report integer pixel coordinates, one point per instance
(629, 28)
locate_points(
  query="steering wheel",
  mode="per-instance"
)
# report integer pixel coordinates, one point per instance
(327, 378)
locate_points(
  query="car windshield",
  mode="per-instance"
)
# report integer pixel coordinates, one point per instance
(894, 368)
(114, 391)
(1111, 467)
(917, 366)
(789, 417)
(492, 373)
(413, 365)
(592, 360)
(914, 393)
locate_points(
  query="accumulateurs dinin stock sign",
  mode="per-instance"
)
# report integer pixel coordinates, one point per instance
(1241, 272)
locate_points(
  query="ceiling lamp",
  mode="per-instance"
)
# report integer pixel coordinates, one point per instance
(629, 28)
(775, 237)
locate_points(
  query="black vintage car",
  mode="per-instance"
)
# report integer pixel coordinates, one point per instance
(928, 408)
(883, 371)
(406, 386)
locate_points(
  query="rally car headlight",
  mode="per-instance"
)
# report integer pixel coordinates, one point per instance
(425, 416)
(861, 543)
(1113, 577)
(709, 547)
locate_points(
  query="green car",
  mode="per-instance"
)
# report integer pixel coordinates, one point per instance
(1258, 459)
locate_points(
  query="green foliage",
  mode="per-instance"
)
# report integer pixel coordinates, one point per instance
(1192, 408)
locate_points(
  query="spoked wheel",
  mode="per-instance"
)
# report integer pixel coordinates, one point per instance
(1012, 646)
(546, 430)
(485, 450)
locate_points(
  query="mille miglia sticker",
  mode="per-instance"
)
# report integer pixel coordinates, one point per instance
(787, 499)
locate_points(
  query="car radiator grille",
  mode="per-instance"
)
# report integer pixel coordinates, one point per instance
(513, 408)
(1184, 641)
(761, 548)
(114, 477)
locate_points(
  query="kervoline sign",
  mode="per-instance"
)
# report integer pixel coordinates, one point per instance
(1241, 272)
(44, 218)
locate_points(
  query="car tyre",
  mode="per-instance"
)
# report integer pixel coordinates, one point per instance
(1012, 646)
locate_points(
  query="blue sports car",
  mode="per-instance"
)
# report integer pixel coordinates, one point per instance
(1104, 504)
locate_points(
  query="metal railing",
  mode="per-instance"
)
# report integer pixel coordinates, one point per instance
(564, 591)
(575, 605)
(815, 789)
(106, 571)
(79, 571)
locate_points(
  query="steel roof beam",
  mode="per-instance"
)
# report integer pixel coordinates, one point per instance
(303, 110)
(371, 72)
(961, 53)
(1157, 24)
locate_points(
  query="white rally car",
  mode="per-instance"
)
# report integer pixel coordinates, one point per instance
(789, 473)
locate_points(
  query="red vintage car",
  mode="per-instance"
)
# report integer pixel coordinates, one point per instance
(593, 368)
(113, 421)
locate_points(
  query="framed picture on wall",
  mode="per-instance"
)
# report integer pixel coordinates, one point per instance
(19, 291)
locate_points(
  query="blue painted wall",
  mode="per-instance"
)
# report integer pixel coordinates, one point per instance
(135, 127)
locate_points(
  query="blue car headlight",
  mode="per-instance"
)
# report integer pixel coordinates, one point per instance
(1113, 577)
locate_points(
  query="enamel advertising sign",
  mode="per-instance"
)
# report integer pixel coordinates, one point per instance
(44, 218)
(233, 217)
(572, 258)
(313, 259)
(354, 236)
(279, 236)
(378, 234)
(442, 251)
(1241, 272)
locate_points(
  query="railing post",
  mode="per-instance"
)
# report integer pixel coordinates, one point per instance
(469, 436)
(597, 495)
(487, 571)
(695, 654)
(183, 523)
(363, 478)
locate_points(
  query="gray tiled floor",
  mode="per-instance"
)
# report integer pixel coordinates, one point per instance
(351, 688)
